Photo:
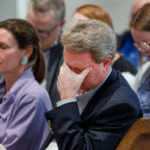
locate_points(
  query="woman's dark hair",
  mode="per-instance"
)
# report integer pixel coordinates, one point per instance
(26, 35)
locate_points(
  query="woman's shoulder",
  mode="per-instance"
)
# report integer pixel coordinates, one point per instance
(31, 88)
(34, 88)
(33, 92)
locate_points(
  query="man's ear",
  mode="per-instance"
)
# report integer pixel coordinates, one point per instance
(107, 60)
(107, 63)
(28, 51)
(62, 23)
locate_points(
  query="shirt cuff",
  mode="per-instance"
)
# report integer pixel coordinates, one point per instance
(65, 101)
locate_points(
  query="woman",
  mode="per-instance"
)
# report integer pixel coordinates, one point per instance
(23, 101)
(90, 11)
(140, 30)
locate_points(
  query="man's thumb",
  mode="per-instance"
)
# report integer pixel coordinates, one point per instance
(85, 72)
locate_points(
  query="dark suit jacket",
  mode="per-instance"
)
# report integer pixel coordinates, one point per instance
(55, 61)
(104, 121)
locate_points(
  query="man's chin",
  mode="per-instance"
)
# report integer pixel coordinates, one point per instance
(44, 48)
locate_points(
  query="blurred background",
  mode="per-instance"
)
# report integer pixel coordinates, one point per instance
(118, 9)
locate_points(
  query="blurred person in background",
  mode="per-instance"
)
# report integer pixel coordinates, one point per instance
(125, 41)
(23, 101)
(48, 17)
(140, 30)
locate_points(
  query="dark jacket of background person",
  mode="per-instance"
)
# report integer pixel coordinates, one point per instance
(56, 60)
(124, 65)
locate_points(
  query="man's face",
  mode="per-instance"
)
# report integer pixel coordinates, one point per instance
(77, 62)
(46, 25)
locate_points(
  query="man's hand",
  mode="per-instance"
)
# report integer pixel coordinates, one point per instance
(69, 82)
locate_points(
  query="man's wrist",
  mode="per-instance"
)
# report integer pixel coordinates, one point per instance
(66, 101)
(68, 95)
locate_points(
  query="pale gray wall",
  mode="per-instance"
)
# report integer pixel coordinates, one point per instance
(118, 9)
(8, 9)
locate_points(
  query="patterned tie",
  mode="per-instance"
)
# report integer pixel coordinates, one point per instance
(144, 94)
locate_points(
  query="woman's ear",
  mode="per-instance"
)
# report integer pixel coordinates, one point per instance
(28, 51)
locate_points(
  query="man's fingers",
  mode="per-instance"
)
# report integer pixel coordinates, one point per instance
(65, 66)
(85, 72)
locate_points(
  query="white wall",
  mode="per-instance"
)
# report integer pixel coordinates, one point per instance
(118, 9)
(22, 6)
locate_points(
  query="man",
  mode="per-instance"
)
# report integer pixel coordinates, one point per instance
(48, 18)
(106, 107)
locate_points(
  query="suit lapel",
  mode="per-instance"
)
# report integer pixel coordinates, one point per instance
(98, 96)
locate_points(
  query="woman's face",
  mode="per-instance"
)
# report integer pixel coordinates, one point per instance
(10, 54)
(142, 40)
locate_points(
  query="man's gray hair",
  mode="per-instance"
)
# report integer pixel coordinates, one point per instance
(90, 35)
(55, 6)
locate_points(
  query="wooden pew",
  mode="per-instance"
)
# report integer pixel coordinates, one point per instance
(137, 137)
